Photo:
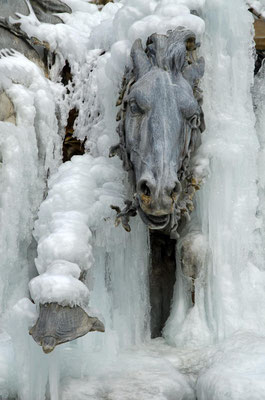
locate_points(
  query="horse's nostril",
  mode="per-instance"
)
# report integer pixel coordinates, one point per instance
(176, 189)
(144, 188)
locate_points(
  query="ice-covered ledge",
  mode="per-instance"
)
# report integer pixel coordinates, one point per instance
(79, 197)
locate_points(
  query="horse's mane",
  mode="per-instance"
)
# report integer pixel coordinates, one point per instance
(162, 51)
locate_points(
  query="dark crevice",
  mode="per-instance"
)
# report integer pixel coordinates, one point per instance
(260, 55)
(162, 279)
(101, 3)
(66, 74)
(71, 145)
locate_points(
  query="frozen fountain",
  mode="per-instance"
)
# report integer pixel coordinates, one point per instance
(56, 214)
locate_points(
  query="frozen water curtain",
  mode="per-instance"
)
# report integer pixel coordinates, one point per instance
(132, 201)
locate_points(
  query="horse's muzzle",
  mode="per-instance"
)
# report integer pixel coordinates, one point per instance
(153, 221)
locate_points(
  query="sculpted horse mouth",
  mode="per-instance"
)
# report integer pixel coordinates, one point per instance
(153, 221)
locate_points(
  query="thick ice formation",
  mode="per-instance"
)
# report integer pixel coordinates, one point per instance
(70, 223)
(30, 137)
(135, 376)
(236, 371)
(59, 286)
(230, 143)
(75, 231)
(230, 298)
(30, 148)
(79, 198)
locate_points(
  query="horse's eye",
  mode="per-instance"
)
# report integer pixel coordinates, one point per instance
(194, 121)
(135, 109)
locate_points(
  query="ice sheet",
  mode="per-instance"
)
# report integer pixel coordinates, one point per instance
(75, 226)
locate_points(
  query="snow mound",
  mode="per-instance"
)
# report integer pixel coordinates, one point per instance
(59, 284)
(236, 371)
(135, 376)
(58, 288)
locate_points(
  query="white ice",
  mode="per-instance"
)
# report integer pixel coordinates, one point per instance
(30, 149)
(212, 350)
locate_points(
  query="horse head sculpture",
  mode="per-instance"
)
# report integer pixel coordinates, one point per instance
(161, 122)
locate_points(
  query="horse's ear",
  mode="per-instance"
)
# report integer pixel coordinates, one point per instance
(141, 63)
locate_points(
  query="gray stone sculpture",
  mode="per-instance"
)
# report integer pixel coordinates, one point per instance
(161, 121)
(57, 325)
(13, 37)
